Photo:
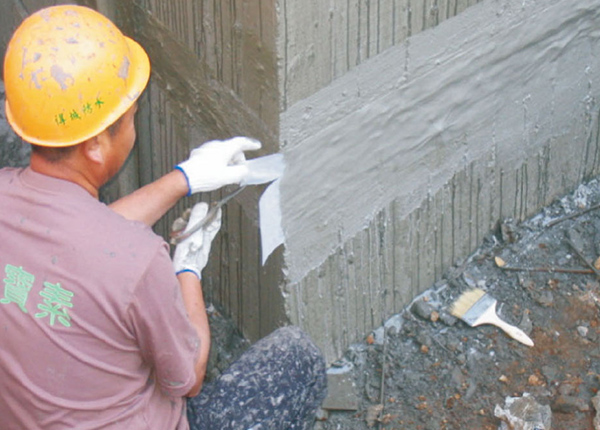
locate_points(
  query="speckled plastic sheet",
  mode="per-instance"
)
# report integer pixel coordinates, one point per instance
(277, 384)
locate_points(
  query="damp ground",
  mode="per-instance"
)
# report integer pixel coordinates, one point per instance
(431, 371)
(426, 370)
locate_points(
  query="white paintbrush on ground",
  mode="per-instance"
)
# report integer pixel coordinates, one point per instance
(476, 307)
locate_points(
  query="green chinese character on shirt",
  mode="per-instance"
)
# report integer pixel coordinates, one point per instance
(98, 102)
(56, 300)
(16, 286)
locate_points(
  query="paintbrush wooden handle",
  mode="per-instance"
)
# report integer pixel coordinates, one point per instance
(490, 317)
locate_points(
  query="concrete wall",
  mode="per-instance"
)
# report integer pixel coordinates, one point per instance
(400, 165)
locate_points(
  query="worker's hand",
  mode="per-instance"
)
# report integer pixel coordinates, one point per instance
(191, 255)
(217, 163)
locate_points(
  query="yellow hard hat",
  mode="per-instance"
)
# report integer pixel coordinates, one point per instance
(69, 73)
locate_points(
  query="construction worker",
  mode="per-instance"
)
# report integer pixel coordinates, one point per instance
(100, 328)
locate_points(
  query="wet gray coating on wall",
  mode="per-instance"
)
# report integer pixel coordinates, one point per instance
(503, 78)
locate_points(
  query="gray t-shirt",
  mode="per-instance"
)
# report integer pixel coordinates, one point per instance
(93, 329)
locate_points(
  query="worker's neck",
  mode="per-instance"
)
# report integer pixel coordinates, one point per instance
(68, 169)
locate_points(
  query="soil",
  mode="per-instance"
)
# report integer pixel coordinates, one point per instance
(440, 373)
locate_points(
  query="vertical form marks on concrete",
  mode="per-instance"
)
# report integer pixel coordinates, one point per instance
(394, 259)
(179, 17)
(308, 27)
(323, 40)
(189, 105)
(592, 151)
(235, 39)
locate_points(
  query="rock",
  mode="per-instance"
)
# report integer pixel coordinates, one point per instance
(424, 339)
(596, 403)
(454, 344)
(422, 309)
(448, 318)
(551, 373)
(583, 331)
(508, 231)
(524, 413)
(469, 280)
(566, 389)
(322, 415)
(341, 388)
(545, 298)
(373, 415)
(526, 325)
(458, 379)
(569, 404)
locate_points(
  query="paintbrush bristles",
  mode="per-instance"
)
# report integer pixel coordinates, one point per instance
(466, 302)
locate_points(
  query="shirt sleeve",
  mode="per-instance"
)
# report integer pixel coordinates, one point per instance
(167, 340)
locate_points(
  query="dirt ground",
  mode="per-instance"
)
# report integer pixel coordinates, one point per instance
(439, 373)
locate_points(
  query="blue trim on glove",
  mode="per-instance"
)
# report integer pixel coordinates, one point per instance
(190, 271)
(186, 179)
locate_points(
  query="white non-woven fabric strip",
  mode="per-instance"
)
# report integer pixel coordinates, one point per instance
(262, 170)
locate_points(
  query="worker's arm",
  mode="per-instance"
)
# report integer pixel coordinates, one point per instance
(211, 166)
(190, 258)
(193, 299)
(149, 203)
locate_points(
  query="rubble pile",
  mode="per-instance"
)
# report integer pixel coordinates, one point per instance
(426, 370)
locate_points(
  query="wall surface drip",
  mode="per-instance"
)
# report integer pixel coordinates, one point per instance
(402, 165)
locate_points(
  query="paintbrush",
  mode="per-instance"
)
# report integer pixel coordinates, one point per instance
(476, 307)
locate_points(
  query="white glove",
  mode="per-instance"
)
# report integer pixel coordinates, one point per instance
(191, 255)
(217, 163)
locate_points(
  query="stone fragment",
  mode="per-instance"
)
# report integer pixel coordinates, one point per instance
(322, 415)
(523, 413)
(448, 318)
(551, 373)
(570, 404)
(534, 380)
(372, 416)
(596, 404)
(526, 325)
(566, 389)
(508, 231)
(341, 389)
(582, 330)
(545, 298)
(422, 309)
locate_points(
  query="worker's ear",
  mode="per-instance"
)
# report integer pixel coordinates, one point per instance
(94, 149)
